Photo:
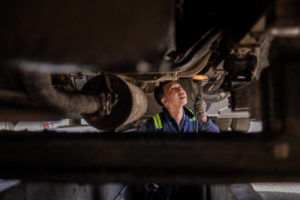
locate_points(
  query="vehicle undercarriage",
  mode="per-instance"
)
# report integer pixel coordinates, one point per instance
(102, 60)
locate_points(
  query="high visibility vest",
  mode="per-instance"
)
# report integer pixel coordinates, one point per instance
(157, 121)
(159, 125)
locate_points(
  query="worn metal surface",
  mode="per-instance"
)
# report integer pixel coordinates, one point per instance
(62, 34)
(131, 105)
(117, 35)
(139, 158)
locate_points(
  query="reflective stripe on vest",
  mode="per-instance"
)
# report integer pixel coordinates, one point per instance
(194, 118)
(158, 124)
(157, 121)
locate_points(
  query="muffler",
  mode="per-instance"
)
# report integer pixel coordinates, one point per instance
(131, 102)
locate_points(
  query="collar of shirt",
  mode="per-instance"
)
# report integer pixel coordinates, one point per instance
(187, 115)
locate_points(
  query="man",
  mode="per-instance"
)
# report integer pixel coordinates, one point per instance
(175, 118)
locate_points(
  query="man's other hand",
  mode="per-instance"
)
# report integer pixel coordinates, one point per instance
(200, 108)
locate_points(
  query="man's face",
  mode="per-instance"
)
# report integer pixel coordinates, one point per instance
(174, 95)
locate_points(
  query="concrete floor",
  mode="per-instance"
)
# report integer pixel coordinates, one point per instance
(278, 191)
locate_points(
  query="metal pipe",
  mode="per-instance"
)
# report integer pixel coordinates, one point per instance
(213, 98)
(40, 86)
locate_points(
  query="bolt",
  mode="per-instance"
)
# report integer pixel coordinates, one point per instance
(281, 150)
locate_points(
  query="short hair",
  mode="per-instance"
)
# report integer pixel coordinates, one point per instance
(159, 92)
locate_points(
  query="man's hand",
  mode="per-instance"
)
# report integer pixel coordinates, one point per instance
(200, 108)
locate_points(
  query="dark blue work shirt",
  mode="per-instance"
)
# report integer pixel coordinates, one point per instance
(164, 122)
